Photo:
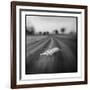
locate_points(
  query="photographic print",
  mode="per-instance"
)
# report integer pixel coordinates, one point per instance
(48, 44)
(51, 44)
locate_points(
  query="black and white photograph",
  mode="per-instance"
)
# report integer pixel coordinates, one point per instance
(51, 44)
(48, 44)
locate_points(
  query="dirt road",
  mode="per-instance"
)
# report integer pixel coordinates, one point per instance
(62, 61)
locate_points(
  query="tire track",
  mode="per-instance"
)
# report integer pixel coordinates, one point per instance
(68, 56)
(65, 48)
(37, 47)
(34, 42)
(33, 59)
(33, 46)
(70, 43)
(59, 62)
(42, 64)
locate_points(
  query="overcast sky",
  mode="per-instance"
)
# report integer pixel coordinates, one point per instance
(43, 23)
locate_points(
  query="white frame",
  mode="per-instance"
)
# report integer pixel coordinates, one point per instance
(43, 78)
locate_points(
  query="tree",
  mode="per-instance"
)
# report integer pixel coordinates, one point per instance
(44, 33)
(72, 32)
(27, 31)
(47, 33)
(56, 31)
(40, 33)
(63, 30)
(32, 31)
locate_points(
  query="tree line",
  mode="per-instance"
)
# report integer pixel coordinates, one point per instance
(31, 31)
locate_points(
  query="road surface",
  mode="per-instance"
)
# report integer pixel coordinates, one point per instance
(62, 61)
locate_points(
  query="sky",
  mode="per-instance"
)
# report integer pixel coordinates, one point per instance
(48, 23)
